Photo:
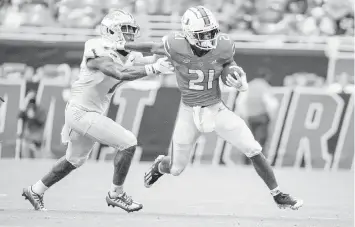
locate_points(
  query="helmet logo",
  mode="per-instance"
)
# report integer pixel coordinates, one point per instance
(187, 21)
(185, 60)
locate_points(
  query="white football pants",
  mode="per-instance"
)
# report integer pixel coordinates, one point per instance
(82, 129)
(192, 121)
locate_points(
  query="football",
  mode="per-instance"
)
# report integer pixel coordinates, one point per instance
(228, 70)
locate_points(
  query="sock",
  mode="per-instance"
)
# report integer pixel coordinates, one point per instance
(164, 165)
(275, 191)
(115, 190)
(60, 170)
(264, 170)
(39, 188)
(122, 163)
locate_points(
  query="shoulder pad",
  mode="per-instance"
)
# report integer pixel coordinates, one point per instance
(173, 42)
(225, 46)
(96, 48)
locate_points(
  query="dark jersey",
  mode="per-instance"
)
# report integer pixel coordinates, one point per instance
(198, 77)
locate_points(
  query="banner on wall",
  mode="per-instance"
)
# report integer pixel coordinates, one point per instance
(314, 128)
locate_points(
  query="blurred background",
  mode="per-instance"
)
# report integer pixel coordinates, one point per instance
(297, 53)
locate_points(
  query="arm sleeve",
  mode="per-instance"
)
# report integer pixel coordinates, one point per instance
(141, 60)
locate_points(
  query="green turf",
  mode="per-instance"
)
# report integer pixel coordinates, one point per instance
(202, 196)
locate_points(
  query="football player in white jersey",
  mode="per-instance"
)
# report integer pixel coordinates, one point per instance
(103, 70)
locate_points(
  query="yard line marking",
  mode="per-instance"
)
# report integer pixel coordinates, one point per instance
(311, 217)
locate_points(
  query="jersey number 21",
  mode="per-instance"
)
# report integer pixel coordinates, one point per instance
(200, 78)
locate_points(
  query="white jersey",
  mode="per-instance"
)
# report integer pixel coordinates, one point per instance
(93, 90)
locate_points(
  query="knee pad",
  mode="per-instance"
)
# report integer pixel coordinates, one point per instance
(176, 170)
(253, 150)
(77, 161)
(180, 158)
(130, 141)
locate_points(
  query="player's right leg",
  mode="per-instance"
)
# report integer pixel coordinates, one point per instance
(78, 149)
(234, 130)
(81, 131)
(77, 152)
(184, 138)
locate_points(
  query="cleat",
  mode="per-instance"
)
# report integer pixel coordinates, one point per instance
(35, 199)
(24, 195)
(153, 174)
(124, 202)
(284, 201)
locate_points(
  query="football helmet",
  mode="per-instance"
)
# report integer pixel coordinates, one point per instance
(119, 25)
(200, 27)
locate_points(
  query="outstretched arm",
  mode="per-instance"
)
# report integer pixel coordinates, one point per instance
(144, 60)
(120, 72)
(159, 48)
(146, 47)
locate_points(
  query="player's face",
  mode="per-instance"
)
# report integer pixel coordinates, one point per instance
(129, 32)
(205, 36)
(206, 39)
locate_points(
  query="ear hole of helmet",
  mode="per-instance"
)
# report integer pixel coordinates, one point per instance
(110, 31)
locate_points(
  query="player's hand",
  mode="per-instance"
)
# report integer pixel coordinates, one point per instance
(163, 66)
(239, 81)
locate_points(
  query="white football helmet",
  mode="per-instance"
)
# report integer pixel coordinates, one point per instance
(200, 27)
(119, 25)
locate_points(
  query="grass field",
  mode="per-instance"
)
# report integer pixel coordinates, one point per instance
(202, 197)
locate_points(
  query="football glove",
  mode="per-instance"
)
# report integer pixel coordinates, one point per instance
(162, 66)
(238, 80)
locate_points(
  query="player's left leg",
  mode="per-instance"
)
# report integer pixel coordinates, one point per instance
(106, 131)
(234, 130)
(184, 138)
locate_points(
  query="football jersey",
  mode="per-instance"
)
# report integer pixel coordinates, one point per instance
(198, 77)
(93, 90)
